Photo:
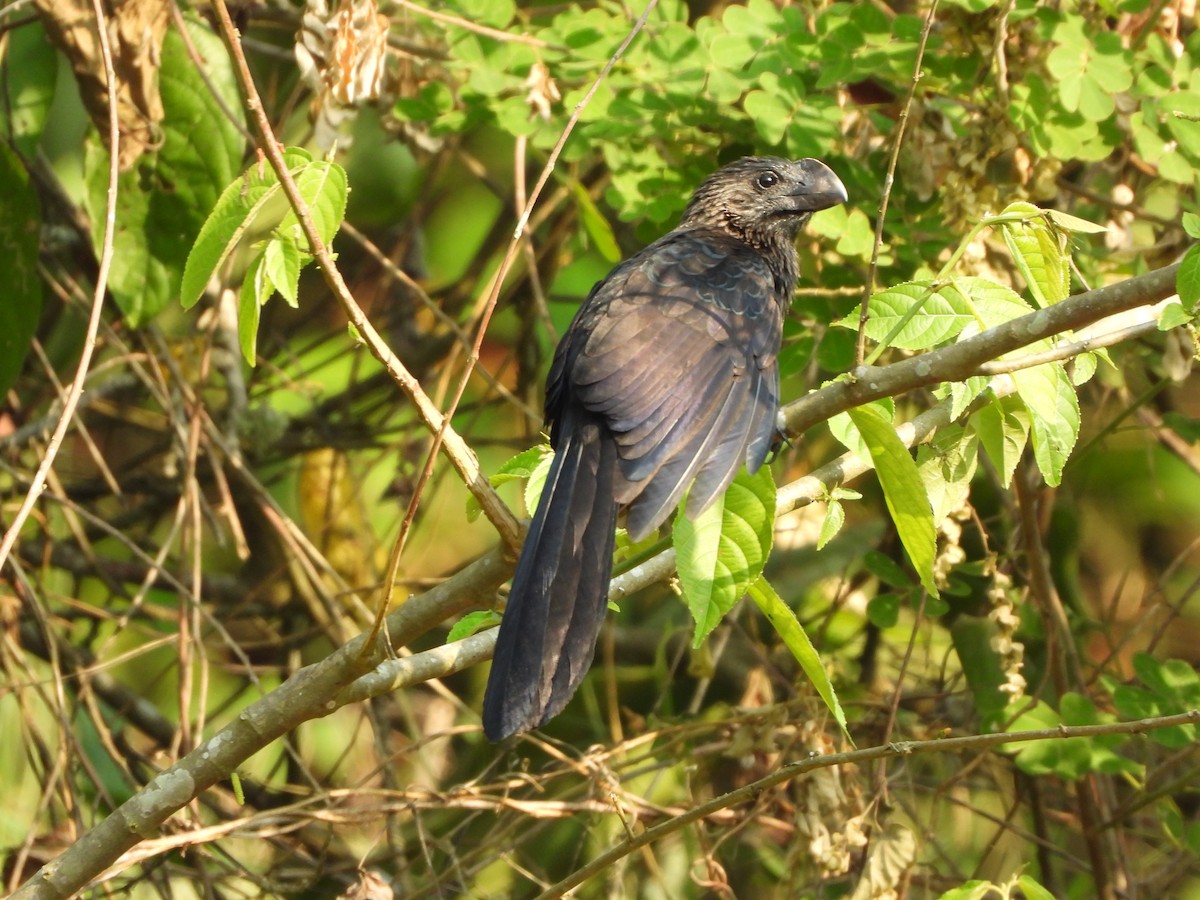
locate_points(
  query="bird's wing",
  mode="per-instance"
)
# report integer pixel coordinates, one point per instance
(676, 350)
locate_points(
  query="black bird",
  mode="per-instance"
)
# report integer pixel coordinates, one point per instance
(665, 379)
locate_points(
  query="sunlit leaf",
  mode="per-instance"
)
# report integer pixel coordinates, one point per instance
(721, 552)
(1038, 253)
(903, 491)
(796, 639)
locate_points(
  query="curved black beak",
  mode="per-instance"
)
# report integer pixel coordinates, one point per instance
(818, 188)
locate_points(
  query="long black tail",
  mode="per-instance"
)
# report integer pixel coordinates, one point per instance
(560, 589)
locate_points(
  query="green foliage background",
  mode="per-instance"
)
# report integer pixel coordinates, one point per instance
(211, 527)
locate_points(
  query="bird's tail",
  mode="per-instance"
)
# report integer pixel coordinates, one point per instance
(560, 589)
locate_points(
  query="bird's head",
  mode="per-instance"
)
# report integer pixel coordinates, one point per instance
(763, 198)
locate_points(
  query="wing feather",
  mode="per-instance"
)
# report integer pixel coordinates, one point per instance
(703, 400)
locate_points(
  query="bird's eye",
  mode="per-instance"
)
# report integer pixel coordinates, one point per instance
(768, 179)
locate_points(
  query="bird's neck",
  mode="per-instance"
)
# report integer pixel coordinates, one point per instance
(778, 248)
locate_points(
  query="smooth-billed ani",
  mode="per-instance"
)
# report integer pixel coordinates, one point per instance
(665, 380)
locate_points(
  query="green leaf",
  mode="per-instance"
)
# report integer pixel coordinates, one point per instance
(161, 201)
(796, 639)
(842, 426)
(322, 187)
(256, 288)
(1003, 429)
(1070, 758)
(30, 70)
(532, 464)
(769, 114)
(596, 226)
(971, 890)
(1089, 69)
(281, 262)
(722, 551)
(903, 491)
(537, 476)
(1173, 315)
(1038, 253)
(1187, 279)
(1068, 222)
(235, 211)
(913, 316)
(835, 518)
(991, 303)
(1171, 679)
(886, 570)
(1053, 406)
(472, 623)
(1181, 113)
(883, 610)
(1083, 367)
(20, 232)
(1032, 890)
(521, 465)
(1191, 224)
(964, 393)
(858, 237)
(947, 465)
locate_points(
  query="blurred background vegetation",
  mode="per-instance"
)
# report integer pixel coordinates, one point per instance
(210, 527)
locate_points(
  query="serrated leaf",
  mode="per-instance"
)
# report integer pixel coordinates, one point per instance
(722, 551)
(532, 463)
(521, 465)
(947, 466)
(20, 230)
(254, 293)
(1053, 406)
(1003, 431)
(835, 518)
(964, 393)
(1187, 279)
(236, 210)
(903, 491)
(1083, 367)
(796, 639)
(281, 262)
(322, 186)
(1038, 253)
(472, 623)
(991, 303)
(912, 316)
